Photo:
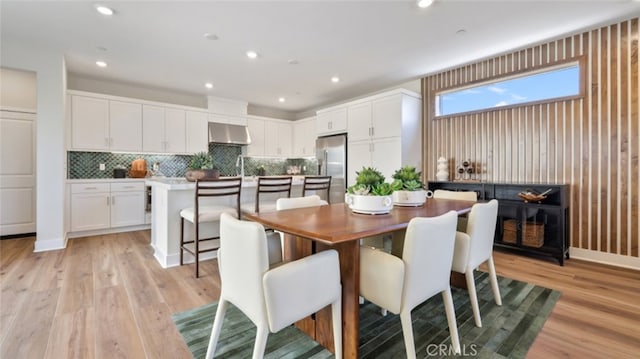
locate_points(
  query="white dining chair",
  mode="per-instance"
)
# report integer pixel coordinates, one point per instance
(299, 202)
(474, 247)
(401, 284)
(470, 196)
(272, 298)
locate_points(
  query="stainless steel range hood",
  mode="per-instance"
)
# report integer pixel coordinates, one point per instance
(229, 134)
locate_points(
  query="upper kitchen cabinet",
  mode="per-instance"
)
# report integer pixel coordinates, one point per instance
(164, 130)
(197, 135)
(304, 138)
(331, 121)
(385, 132)
(278, 141)
(105, 125)
(256, 131)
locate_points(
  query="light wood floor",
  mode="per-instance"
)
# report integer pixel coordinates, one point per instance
(107, 297)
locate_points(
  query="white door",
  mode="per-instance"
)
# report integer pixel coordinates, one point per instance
(285, 142)
(256, 130)
(271, 146)
(17, 173)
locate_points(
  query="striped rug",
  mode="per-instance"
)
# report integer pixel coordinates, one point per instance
(508, 330)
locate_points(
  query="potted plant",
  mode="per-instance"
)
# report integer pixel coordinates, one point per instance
(201, 167)
(370, 194)
(408, 187)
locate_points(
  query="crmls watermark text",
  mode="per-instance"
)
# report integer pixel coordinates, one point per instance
(447, 349)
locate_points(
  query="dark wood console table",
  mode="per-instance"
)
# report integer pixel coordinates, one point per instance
(548, 219)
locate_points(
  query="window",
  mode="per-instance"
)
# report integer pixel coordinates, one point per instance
(547, 84)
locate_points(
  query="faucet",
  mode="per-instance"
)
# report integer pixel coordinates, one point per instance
(240, 165)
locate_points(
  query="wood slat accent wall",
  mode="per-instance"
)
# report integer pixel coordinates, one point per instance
(592, 142)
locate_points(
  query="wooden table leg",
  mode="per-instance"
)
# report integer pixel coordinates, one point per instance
(349, 253)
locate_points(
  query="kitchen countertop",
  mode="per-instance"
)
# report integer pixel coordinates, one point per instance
(104, 180)
(180, 183)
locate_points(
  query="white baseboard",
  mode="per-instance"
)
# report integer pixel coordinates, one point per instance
(49, 244)
(99, 232)
(173, 260)
(617, 260)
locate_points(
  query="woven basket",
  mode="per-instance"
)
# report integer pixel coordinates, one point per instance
(532, 233)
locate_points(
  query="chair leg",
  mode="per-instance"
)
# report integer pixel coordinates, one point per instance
(336, 320)
(196, 252)
(473, 297)
(407, 333)
(494, 281)
(217, 327)
(451, 319)
(261, 341)
(181, 240)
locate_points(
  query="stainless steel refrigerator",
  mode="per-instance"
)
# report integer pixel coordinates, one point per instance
(331, 154)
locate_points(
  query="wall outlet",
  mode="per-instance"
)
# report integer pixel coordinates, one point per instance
(102, 167)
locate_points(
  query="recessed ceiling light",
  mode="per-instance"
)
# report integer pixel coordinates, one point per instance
(424, 3)
(210, 36)
(101, 63)
(281, 99)
(208, 85)
(252, 54)
(104, 10)
(335, 79)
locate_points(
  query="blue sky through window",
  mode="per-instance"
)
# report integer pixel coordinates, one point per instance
(560, 82)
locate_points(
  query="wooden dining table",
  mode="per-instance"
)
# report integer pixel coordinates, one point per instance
(313, 229)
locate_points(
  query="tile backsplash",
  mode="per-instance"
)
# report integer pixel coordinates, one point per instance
(84, 165)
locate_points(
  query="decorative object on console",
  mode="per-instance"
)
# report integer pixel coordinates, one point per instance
(408, 189)
(201, 167)
(443, 170)
(370, 194)
(530, 195)
(465, 170)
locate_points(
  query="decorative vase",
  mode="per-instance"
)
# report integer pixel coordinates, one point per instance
(369, 204)
(443, 170)
(409, 198)
(193, 175)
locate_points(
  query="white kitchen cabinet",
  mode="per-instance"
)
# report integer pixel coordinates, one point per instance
(359, 116)
(304, 138)
(197, 132)
(385, 133)
(89, 123)
(256, 131)
(105, 125)
(331, 121)
(164, 130)
(125, 126)
(385, 155)
(90, 206)
(277, 136)
(99, 205)
(127, 204)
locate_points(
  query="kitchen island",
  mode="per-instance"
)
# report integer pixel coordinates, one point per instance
(169, 196)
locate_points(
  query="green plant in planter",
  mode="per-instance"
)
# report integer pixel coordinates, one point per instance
(201, 161)
(370, 181)
(407, 179)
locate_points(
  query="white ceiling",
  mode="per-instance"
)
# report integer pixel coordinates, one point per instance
(370, 45)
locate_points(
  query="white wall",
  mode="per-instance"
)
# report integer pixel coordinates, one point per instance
(49, 67)
(17, 89)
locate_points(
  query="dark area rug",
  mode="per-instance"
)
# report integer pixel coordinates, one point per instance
(508, 330)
